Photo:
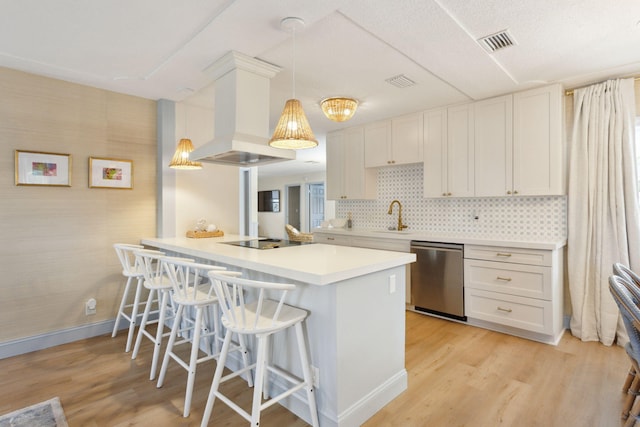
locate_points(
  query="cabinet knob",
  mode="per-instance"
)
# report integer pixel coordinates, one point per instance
(515, 192)
(444, 194)
(448, 194)
(504, 279)
(506, 310)
(508, 191)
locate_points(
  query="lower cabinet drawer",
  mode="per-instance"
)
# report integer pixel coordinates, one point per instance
(519, 312)
(515, 279)
(331, 239)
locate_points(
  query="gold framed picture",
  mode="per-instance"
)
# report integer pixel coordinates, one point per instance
(40, 168)
(110, 173)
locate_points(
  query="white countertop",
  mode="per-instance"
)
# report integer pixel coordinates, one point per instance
(461, 238)
(316, 264)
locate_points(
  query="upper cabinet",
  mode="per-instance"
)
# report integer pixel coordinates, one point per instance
(377, 147)
(394, 142)
(448, 152)
(503, 146)
(538, 149)
(493, 129)
(347, 177)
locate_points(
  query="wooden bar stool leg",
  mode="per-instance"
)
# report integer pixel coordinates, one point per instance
(172, 339)
(245, 356)
(308, 376)
(630, 376)
(193, 361)
(159, 333)
(259, 380)
(123, 303)
(267, 352)
(143, 324)
(215, 383)
(632, 393)
(216, 330)
(633, 415)
(134, 315)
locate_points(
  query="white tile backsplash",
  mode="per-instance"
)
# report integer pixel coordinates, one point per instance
(527, 218)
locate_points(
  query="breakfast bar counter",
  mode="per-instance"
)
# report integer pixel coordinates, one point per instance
(356, 325)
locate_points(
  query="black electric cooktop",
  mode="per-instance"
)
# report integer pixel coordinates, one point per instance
(266, 243)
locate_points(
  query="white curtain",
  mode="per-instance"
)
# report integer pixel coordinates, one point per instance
(603, 223)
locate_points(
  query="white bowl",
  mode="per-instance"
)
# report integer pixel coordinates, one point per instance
(338, 222)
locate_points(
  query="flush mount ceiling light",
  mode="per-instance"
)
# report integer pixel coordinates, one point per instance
(293, 131)
(180, 158)
(339, 109)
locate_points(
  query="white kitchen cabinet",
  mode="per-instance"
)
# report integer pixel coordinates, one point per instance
(347, 178)
(435, 149)
(493, 134)
(394, 142)
(515, 290)
(377, 146)
(538, 149)
(448, 152)
(519, 148)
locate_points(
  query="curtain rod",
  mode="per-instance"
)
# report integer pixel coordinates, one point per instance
(569, 92)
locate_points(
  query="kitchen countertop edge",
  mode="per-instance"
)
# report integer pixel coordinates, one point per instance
(340, 263)
(446, 238)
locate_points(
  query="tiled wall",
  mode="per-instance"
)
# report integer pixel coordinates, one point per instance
(529, 218)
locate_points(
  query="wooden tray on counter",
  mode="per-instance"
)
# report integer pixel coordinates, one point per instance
(195, 234)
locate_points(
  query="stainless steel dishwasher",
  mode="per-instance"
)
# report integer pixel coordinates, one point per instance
(437, 284)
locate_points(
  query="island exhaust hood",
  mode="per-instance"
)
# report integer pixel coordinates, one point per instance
(241, 116)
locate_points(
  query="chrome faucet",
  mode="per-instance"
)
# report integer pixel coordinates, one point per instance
(401, 226)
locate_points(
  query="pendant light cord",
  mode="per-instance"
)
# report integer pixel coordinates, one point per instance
(293, 36)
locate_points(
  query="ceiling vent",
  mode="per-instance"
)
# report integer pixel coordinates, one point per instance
(497, 41)
(400, 81)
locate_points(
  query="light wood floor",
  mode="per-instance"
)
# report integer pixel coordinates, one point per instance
(458, 376)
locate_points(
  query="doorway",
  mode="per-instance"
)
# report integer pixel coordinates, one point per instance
(315, 203)
(293, 206)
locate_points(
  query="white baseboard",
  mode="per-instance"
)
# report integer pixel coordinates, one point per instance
(52, 339)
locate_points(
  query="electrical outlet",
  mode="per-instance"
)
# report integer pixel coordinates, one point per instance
(315, 373)
(392, 284)
(90, 307)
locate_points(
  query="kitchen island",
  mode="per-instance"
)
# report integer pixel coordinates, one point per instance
(356, 326)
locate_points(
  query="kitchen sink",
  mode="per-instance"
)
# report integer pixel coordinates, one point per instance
(392, 231)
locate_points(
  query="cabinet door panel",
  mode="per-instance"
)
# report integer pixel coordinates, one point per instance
(435, 149)
(493, 123)
(377, 146)
(406, 139)
(335, 165)
(359, 183)
(460, 167)
(538, 152)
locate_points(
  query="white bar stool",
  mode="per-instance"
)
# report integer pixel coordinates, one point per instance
(129, 310)
(160, 288)
(261, 318)
(192, 288)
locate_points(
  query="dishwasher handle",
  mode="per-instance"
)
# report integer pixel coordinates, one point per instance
(418, 244)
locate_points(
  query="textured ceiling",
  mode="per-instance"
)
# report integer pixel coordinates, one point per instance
(158, 49)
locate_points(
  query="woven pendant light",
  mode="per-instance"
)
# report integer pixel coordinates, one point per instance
(293, 131)
(180, 158)
(339, 109)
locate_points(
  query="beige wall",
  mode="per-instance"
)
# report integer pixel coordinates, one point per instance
(56, 242)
